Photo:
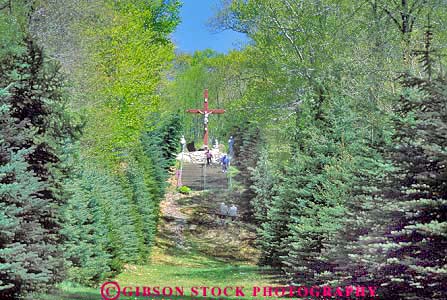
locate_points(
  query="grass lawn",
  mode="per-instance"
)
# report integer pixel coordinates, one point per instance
(187, 271)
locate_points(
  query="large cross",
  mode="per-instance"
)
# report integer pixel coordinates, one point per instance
(205, 112)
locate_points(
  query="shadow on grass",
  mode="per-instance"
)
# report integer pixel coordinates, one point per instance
(222, 274)
(62, 295)
(194, 256)
(191, 200)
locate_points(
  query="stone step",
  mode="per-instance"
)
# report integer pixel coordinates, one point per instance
(198, 177)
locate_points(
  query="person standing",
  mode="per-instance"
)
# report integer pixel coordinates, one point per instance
(223, 212)
(230, 146)
(209, 157)
(224, 163)
(232, 212)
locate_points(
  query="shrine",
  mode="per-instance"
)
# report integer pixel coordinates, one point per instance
(206, 112)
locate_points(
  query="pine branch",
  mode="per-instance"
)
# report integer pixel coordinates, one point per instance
(6, 5)
(5, 89)
(390, 14)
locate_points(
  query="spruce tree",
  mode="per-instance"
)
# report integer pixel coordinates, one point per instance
(274, 230)
(314, 187)
(345, 254)
(247, 148)
(18, 204)
(170, 133)
(32, 161)
(317, 183)
(145, 202)
(26, 264)
(414, 239)
(100, 225)
(87, 235)
(264, 182)
(404, 252)
(111, 218)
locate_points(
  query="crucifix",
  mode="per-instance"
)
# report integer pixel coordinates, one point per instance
(206, 113)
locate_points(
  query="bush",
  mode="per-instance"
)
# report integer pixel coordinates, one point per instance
(184, 190)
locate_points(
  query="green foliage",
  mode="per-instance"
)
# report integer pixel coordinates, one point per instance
(100, 225)
(19, 204)
(121, 164)
(342, 165)
(412, 226)
(119, 169)
(184, 190)
(165, 17)
(123, 57)
(11, 35)
(85, 228)
(170, 132)
(247, 147)
(264, 181)
(322, 87)
(35, 126)
(111, 217)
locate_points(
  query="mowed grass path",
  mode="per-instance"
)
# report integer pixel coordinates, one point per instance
(187, 269)
(184, 269)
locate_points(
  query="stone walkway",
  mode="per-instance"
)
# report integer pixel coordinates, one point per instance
(197, 176)
(200, 177)
(189, 222)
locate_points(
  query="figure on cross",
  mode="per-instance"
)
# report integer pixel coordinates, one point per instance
(205, 117)
(205, 112)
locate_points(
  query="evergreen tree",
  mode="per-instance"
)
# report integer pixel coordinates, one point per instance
(111, 219)
(36, 128)
(87, 235)
(314, 185)
(345, 253)
(248, 143)
(155, 165)
(274, 230)
(25, 263)
(411, 245)
(101, 226)
(264, 183)
(270, 213)
(20, 231)
(145, 202)
(311, 196)
(170, 133)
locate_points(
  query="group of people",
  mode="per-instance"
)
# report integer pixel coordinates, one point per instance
(226, 211)
(225, 160)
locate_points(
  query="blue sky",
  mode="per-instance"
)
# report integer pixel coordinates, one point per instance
(193, 33)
